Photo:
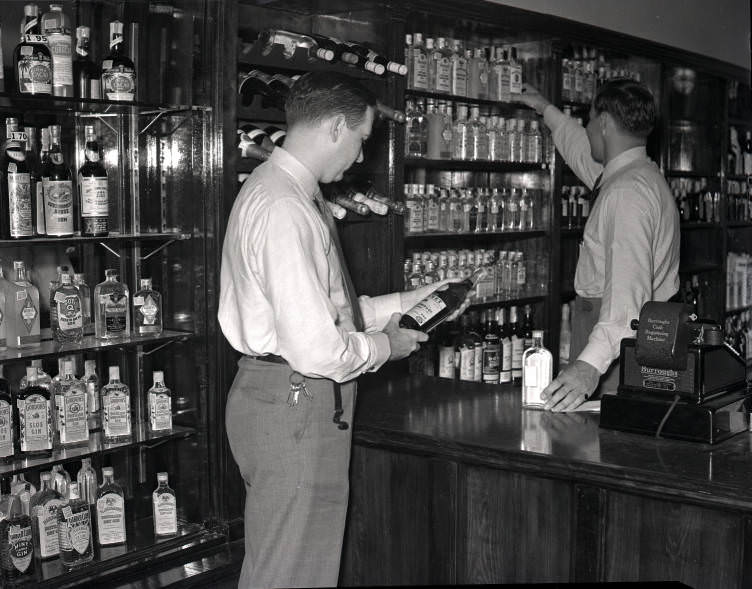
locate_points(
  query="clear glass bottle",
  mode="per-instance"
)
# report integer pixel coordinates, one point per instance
(416, 129)
(110, 509)
(478, 136)
(443, 201)
(159, 405)
(495, 209)
(116, 409)
(461, 137)
(515, 74)
(478, 75)
(445, 147)
(512, 211)
(535, 144)
(35, 416)
(43, 379)
(164, 508)
(16, 543)
(56, 26)
(415, 280)
(494, 145)
(91, 382)
(415, 221)
(418, 79)
(43, 509)
(111, 313)
(455, 211)
(61, 479)
(22, 315)
(459, 69)
(87, 482)
(66, 312)
(431, 209)
(7, 419)
(522, 141)
(71, 400)
(74, 531)
(512, 150)
(118, 71)
(84, 291)
(147, 309)
(93, 191)
(537, 371)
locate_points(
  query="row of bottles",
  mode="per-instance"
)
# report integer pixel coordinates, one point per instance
(36, 187)
(583, 71)
(43, 62)
(482, 209)
(438, 129)
(47, 413)
(739, 201)
(575, 206)
(694, 294)
(738, 280)
(739, 158)
(696, 203)
(65, 518)
(446, 66)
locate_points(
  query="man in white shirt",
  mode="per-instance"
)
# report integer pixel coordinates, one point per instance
(287, 303)
(630, 249)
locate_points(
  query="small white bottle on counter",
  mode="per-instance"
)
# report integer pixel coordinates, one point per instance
(537, 371)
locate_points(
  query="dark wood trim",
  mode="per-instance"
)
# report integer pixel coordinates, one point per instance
(589, 534)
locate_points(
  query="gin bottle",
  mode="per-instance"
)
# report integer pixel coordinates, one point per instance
(116, 409)
(61, 479)
(111, 316)
(7, 419)
(87, 482)
(66, 313)
(84, 291)
(74, 530)
(16, 543)
(147, 309)
(43, 508)
(164, 508)
(34, 416)
(160, 405)
(537, 371)
(92, 190)
(118, 71)
(71, 402)
(21, 487)
(110, 509)
(91, 381)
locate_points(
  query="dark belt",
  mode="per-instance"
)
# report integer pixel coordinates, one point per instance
(273, 358)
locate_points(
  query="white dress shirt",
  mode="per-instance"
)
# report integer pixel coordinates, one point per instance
(282, 289)
(630, 249)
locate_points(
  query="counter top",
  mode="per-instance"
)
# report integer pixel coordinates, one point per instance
(486, 425)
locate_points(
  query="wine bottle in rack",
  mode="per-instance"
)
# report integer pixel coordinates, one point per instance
(390, 113)
(357, 55)
(252, 137)
(276, 134)
(390, 66)
(255, 83)
(280, 84)
(349, 204)
(335, 45)
(396, 206)
(32, 58)
(338, 212)
(373, 205)
(86, 75)
(290, 41)
(118, 71)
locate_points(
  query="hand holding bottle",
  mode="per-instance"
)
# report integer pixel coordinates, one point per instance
(410, 298)
(402, 342)
(533, 98)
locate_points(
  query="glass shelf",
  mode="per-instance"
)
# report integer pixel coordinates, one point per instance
(495, 234)
(111, 238)
(49, 347)
(472, 165)
(508, 106)
(97, 445)
(737, 310)
(739, 177)
(507, 302)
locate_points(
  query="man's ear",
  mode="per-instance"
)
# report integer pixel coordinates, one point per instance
(336, 127)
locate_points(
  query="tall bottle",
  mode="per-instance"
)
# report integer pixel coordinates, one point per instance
(58, 191)
(16, 543)
(747, 154)
(74, 530)
(92, 190)
(87, 483)
(35, 420)
(459, 70)
(164, 508)
(110, 509)
(44, 176)
(565, 336)
(160, 405)
(43, 510)
(21, 310)
(491, 351)
(7, 420)
(518, 345)
(147, 309)
(34, 166)
(417, 64)
(66, 312)
(84, 291)
(32, 59)
(116, 409)
(56, 26)
(118, 71)
(71, 401)
(111, 313)
(86, 76)
(91, 382)
(537, 372)
(16, 200)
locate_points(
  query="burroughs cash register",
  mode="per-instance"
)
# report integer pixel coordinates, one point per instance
(678, 379)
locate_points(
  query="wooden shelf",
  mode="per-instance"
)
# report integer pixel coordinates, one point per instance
(472, 165)
(739, 178)
(739, 224)
(691, 174)
(508, 302)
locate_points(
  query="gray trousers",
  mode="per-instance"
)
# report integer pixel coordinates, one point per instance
(584, 317)
(295, 463)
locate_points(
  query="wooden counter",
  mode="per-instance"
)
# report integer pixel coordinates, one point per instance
(455, 483)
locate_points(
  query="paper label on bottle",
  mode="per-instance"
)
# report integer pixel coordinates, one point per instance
(160, 411)
(428, 308)
(459, 77)
(45, 517)
(69, 312)
(165, 513)
(111, 519)
(467, 364)
(118, 83)
(117, 413)
(6, 429)
(94, 196)
(20, 547)
(446, 361)
(518, 345)
(29, 314)
(115, 314)
(35, 423)
(58, 207)
(20, 205)
(515, 80)
(443, 75)
(34, 70)
(148, 311)
(419, 71)
(61, 47)
(74, 426)
(75, 530)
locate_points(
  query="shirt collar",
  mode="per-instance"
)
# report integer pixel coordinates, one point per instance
(296, 169)
(623, 159)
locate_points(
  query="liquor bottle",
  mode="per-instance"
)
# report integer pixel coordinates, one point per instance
(56, 26)
(44, 176)
(537, 371)
(32, 58)
(16, 542)
(7, 420)
(446, 334)
(72, 409)
(66, 313)
(21, 310)
(515, 75)
(439, 66)
(747, 153)
(565, 336)
(518, 344)
(22, 488)
(332, 44)
(35, 416)
(116, 409)
(58, 191)
(396, 207)
(505, 342)
(280, 84)
(374, 206)
(61, 479)
(164, 508)
(34, 166)
(417, 64)
(110, 509)
(459, 70)
(16, 201)
(87, 78)
(527, 326)
(416, 130)
(437, 306)
(290, 41)
(43, 379)
(491, 351)
(118, 71)
(255, 83)
(387, 112)
(74, 530)
(43, 509)
(87, 483)
(275, 134)
(111, 314)
(251, 134)
(357, 55)
(84, 291)
(348, 203)
(92, 190)
(390, 66)
(160, 405)
(91, 382)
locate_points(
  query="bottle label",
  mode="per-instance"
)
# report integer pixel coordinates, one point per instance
(117, 414)
(46, 522)
(566, 83)
(491, 362)
(41, 229)
(119, 82)
(115, 313)
(35, 423)
(515, 80)
(459, 77)
(6, 429)
(69, 313)
(20, 547)
(506, 361)
(61, 47)
(111, 519)
(160, 411)
(446, 361)
(467, 363)
(20, 205)
(58, 207)
(73, 424)
(427, 309)
(75, 529)
(420, 71)
(165, 513)
(518, 345)
(147, 310)
(28, 312)
(443, 75)
(34, 69)
(94, 196)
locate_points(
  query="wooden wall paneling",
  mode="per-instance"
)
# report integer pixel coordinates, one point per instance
(588, 542)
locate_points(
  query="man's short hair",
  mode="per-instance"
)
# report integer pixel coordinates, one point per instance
(631, 103)
(316, 96)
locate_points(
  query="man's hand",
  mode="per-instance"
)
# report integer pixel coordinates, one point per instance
(413, 297)
(533, 98)
(402, 342)
(572, 387)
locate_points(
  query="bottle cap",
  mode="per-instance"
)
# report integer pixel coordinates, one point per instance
(145, 283)
(162, 477)
(90, 366)
(31, 373)
(83, 32)
(18, 264)
(114, 372)
(45, 476)
(107, 471)
(68, 367)
(65, 278)
(537, 333)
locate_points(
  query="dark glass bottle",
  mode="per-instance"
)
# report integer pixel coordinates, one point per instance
(517, 334)
(15, 186)
(58, 190)
(491, 350)
(276, 134)
(86, 75)
(16, 542)
(250, 133)
(357, 55)
(92, 190)
(255, 83)
(34, 405)
(7, 429)
(44, 176)
(118, 71)
(32, 59)
(34, 166)
(528, 326)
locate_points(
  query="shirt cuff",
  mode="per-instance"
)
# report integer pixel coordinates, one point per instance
(553, 117)
(598, 357)
(381, 349)
(378, 310)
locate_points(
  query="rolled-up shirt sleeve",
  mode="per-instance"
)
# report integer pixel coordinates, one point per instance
(572, 142)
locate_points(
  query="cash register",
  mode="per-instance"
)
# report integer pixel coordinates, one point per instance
(678, 379)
